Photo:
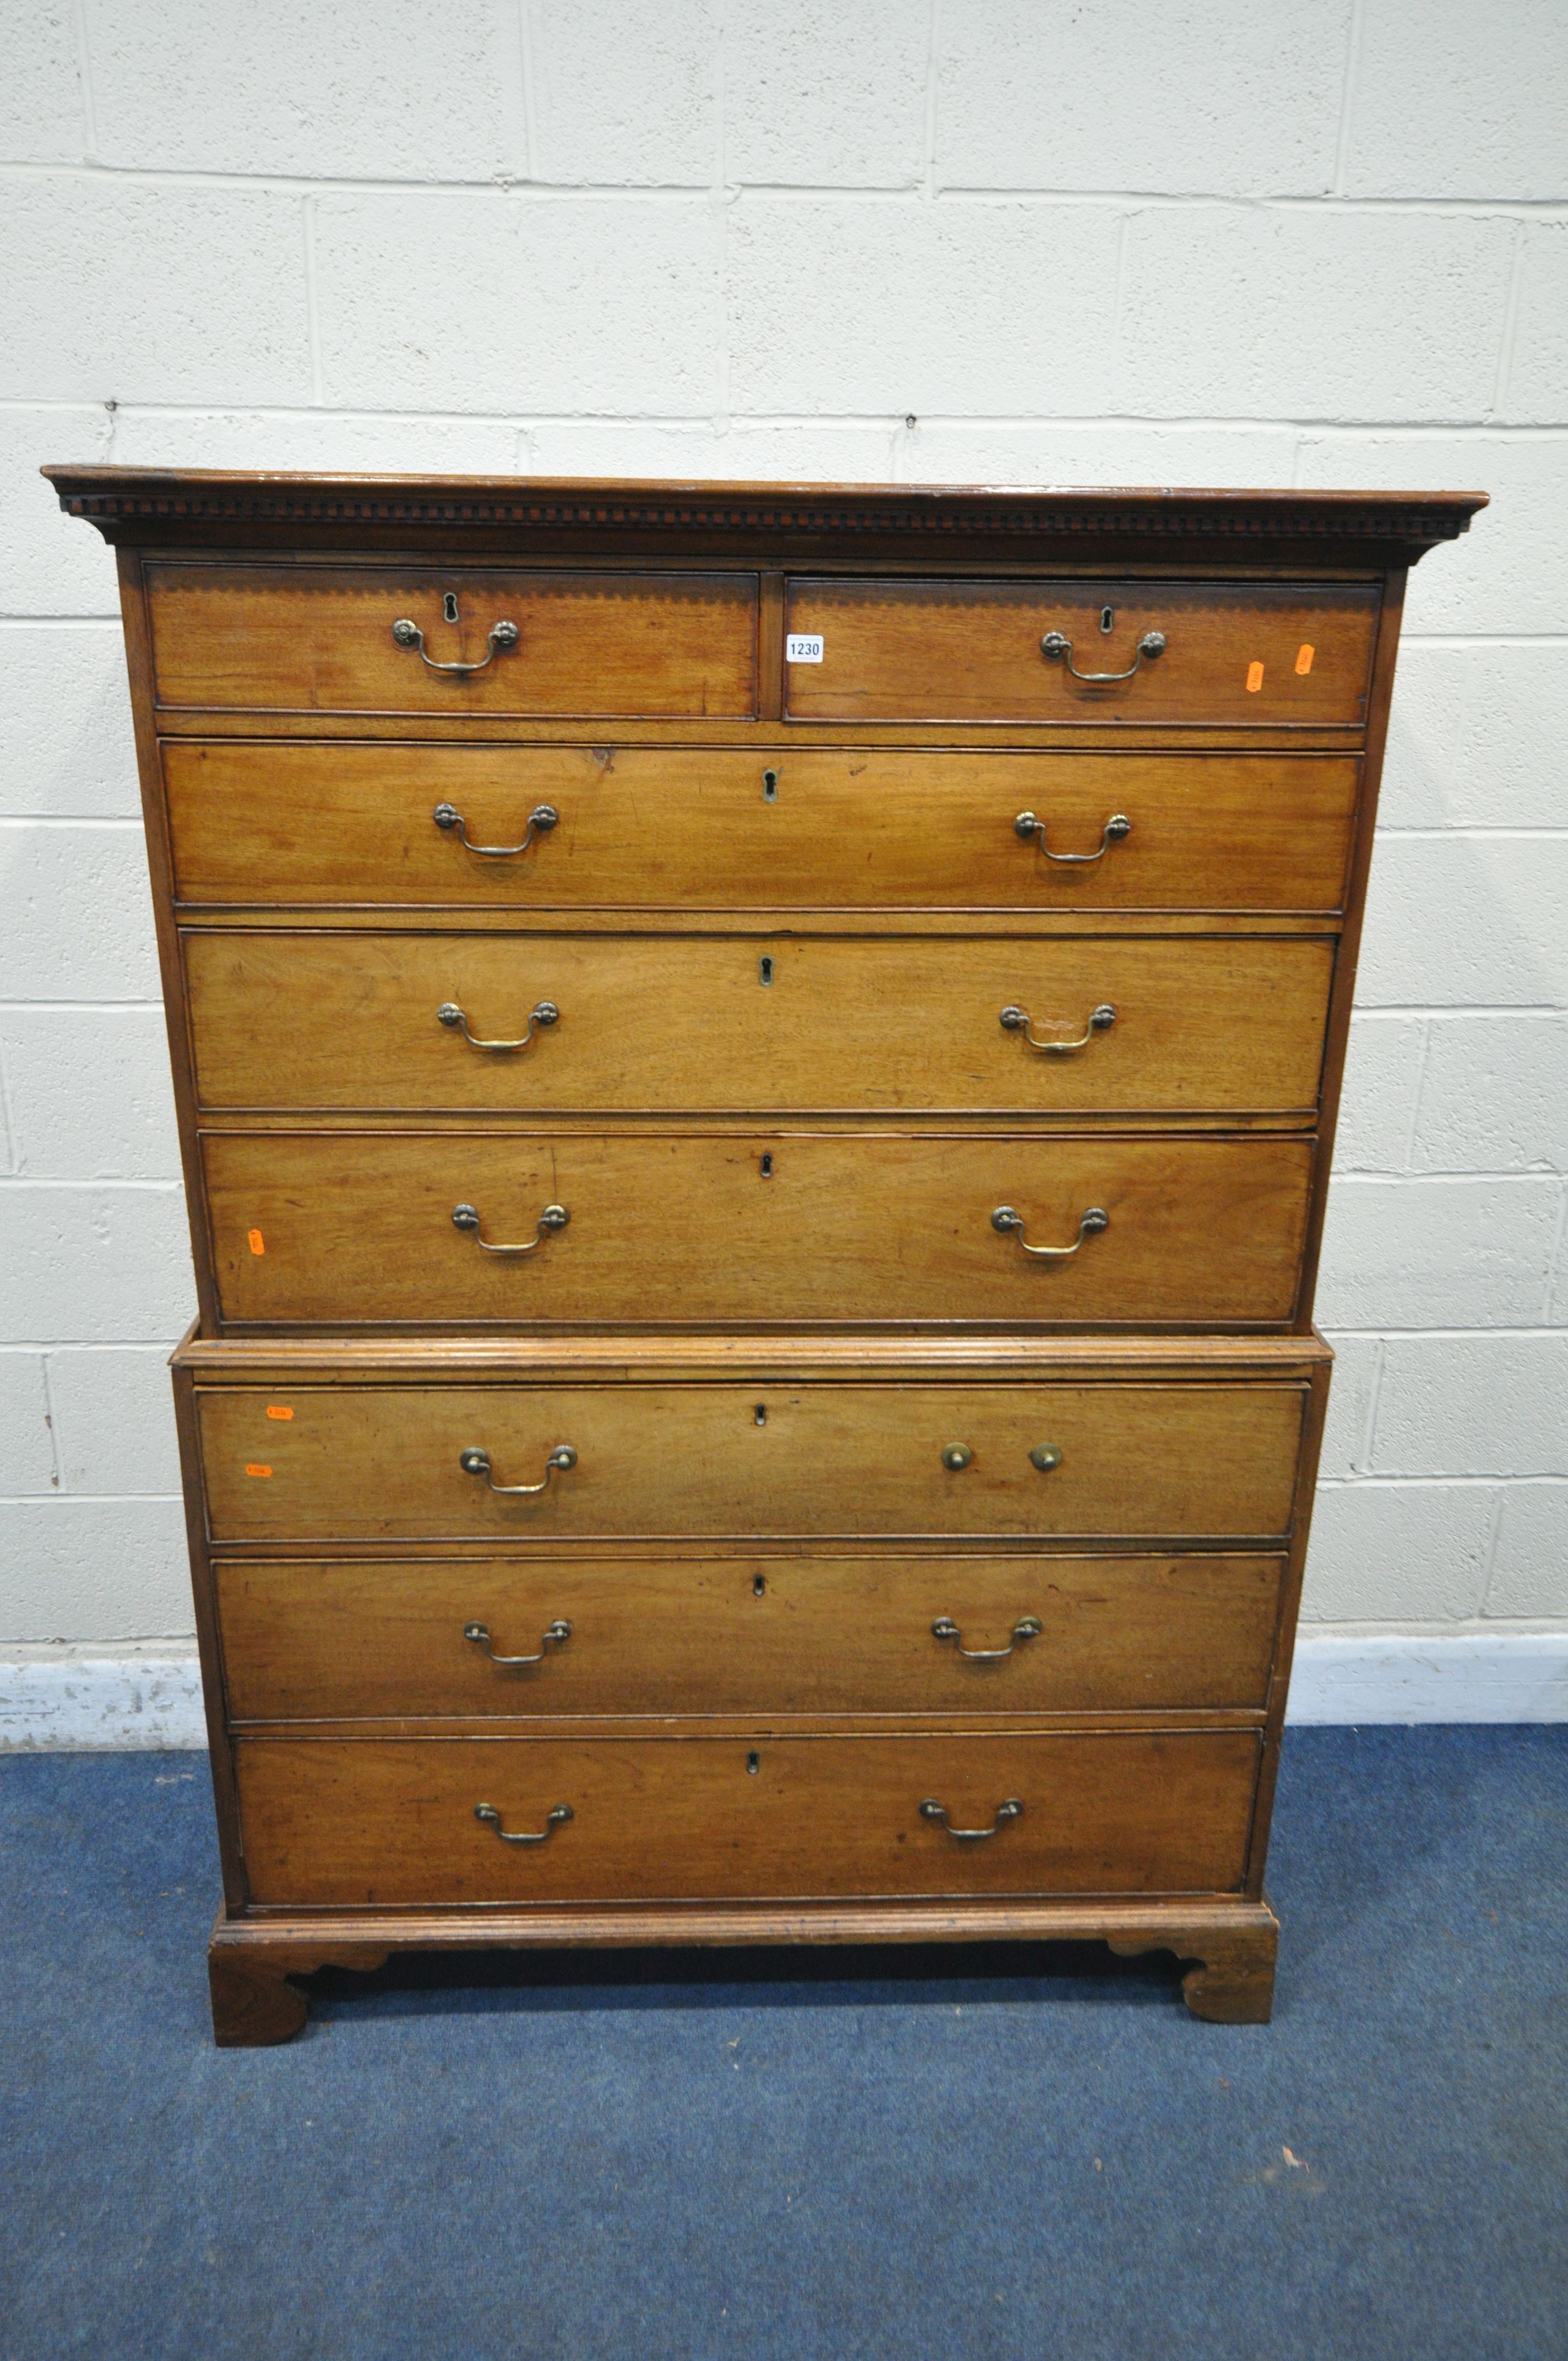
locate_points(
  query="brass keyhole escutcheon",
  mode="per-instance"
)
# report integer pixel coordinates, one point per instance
(1107, 619)
(770, 786)
(957, 1457)
(449, 608)
(759, 1585)
(766, 969)
(753, 1764)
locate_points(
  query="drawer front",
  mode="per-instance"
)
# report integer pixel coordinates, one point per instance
(298, 638)
(402, 1227)
(613, 1023)
(381, 1462)
(339, 1639)
(1257, 654)
(646, 827)
(394, 1822)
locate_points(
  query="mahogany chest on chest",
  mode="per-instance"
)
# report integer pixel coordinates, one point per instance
(757, 1067)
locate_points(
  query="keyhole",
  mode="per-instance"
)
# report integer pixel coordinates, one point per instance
(764, 971)
(770, 786)
(759, 1585)
(449, 607)
(1107, 618)
(759, 1415)
(753, 1764)
(767, 1167)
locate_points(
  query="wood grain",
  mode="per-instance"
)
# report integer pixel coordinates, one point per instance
(388, 1822)
(360, 1462)
(958, 650)
(307, 639)
(308, 1021)
(315, 1639)
(689, 828)
(688, 1228)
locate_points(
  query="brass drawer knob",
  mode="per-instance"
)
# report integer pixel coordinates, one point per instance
(478, 1635)
(957, 1455)
(554, 1217)
(455, 1019)
(1011, 1810)
(1090, 1226)
(1118, 826)
(1056, 648)
(475, 1461)
(1027, 1628)
(552, 1820)
(1016, 1020)
(499, 637)
(541, 820)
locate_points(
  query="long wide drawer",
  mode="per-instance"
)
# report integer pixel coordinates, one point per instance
(518, 1023)
(427, 1821)
(445, 1228)
(362, 1462)
(693, 828)
(368, 639)
(1271, 654)
(340, 1639)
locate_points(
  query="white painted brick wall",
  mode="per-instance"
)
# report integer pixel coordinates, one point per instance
(1005, 240)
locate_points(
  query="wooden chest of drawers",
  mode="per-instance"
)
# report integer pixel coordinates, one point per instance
(756, 1068)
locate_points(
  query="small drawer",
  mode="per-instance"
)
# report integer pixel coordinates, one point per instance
(596, 1023)
(1197, 654)
(344, 1638)
(620, 1229)
(407, 1821)
(461, 1462)
(333, 638)
(574, 827)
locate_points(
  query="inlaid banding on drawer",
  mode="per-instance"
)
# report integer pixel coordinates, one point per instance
(315, 1640)
(448, 1228)
(396, 639)
(691, 1023)
(300, 824)
(360, 1462)
(397, 1822)
(1264, 654)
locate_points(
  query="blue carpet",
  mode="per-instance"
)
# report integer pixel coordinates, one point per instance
(824, 2157)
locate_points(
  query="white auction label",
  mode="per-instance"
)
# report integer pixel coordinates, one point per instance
(804, 647)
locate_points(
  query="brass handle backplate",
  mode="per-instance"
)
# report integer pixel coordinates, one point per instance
(1015, 1019)
(500, 637)
(1117, 827)
(1056, 648)
(1027, 1628)
(560, 1631)
(1090, 1226)
(552, 1820)
(455, 1019)
(541, 820)
(554, 1217)
(931, 1810)
(957, 1457)
(475, 1461)
(1045, 1456)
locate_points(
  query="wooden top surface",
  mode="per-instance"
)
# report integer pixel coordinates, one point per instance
(237, 507)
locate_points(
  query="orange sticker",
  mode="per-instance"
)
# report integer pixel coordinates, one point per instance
(1304, 655)
(1253, 682)
(276, 1410)
(254, 1467)
(258, 1243)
